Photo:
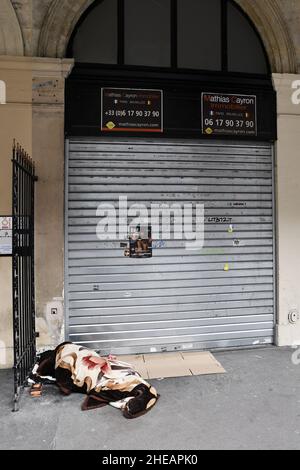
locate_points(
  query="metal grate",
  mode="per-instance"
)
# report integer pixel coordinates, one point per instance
(23, 179)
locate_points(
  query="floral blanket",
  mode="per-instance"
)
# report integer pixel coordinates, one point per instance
(104, 380)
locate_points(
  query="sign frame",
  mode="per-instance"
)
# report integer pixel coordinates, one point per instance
(229, 134)
(9, 247)
(133, 129)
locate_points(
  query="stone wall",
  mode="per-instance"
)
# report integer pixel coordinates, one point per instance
(39, 30)
(16, 123)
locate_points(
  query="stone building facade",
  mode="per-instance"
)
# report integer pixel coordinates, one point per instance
(34, 35)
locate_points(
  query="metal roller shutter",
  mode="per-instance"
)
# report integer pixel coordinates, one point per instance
(221, 296)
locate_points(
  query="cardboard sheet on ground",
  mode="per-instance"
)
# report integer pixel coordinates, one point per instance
(179, 364)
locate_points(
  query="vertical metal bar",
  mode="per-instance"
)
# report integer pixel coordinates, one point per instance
(19, 262)
(15, 279)
(28, 273)
(22, 277)
(26, 358)
(26, 361)
(121, 32)
(19, 248)
(32, 240)
(224, 35)
(25, 273)
(174, 34)
(27, 270)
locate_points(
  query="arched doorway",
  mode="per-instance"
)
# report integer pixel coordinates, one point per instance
(170, 34)
(161, 109)
(63, 18)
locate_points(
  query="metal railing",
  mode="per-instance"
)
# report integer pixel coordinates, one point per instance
(23, 180)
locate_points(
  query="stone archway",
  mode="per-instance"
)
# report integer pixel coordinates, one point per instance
(266, 16)
(11, 41)
(58, 26)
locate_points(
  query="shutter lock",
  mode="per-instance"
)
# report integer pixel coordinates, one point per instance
(294, 316)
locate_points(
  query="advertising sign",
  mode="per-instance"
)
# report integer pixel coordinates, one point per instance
(130, 110)
(229, 115)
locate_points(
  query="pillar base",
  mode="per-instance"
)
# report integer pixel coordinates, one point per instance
(288, 335)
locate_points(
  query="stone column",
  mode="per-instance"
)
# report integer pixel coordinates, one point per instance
(34, 116)
(48, 149)
(288, 211)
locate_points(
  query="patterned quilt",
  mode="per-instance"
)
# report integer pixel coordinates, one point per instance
(105, 381)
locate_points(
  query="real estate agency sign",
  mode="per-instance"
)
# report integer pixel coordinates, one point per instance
(131, 110)
(228, 114)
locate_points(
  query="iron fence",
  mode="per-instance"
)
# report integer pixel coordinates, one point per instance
(23, 182)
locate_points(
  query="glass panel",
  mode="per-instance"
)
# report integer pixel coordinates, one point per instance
(199, 34)
(147, 33)
(96, 40)
(245, 51)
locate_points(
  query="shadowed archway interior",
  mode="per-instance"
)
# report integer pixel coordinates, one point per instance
(63, 16)
(211, 35)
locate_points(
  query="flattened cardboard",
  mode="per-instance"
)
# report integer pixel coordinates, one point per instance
(167, 365)
(137, 361)
(202, 363)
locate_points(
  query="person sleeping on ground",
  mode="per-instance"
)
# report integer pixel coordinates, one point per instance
(105, 381)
